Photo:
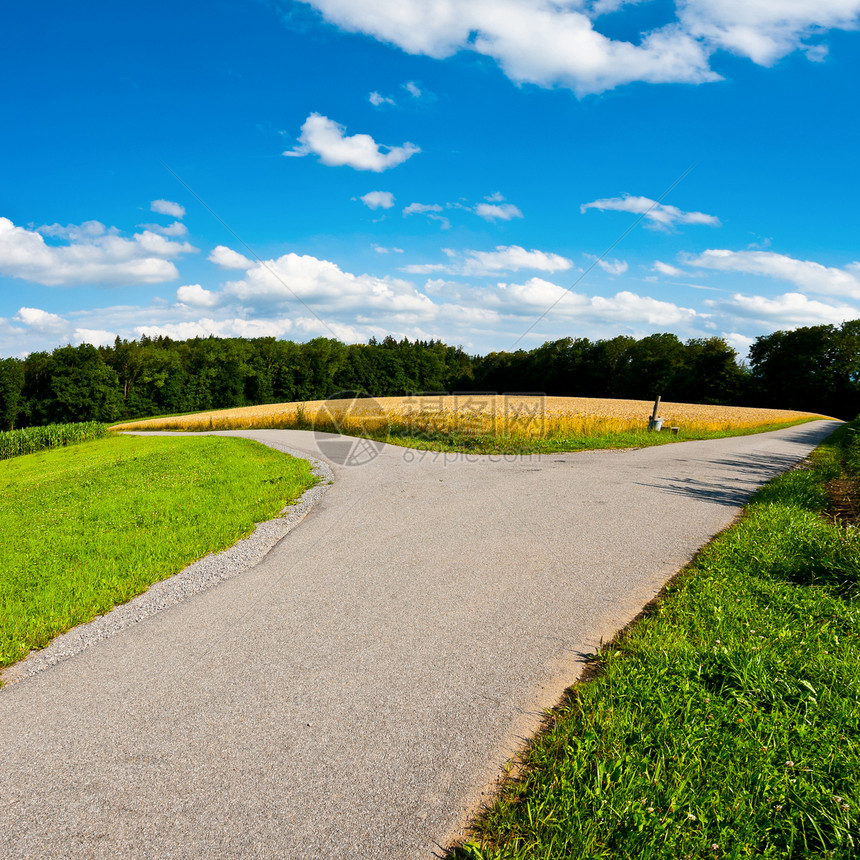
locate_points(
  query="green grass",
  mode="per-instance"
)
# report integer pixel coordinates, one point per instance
(726, 722)
(88, 527)
(464, 443)
(15, 443)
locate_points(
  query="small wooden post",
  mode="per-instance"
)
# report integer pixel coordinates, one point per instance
(656, 408)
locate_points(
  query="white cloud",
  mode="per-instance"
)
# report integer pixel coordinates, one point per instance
(196, 296)
(421, 208)
(657, 215)
(765, 30)
(230, 327)
(378, 199)
(167, 207)
(37, 318)
(666, 269)
(85, 232)
(556, 42)
(624, 307)
(94, 336)
(498, 211)
(413, 89)
(93, 255)
(227, 258)
(785, 311)
(382, 250)
(326, 286)
(510, 258)
(740, 343)
(805, 274)
(177, 228)
(326, 138)
(536, 41)
(431, 210)
(613, 267)
(376, 99)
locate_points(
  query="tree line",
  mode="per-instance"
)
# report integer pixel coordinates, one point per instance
(815, 368)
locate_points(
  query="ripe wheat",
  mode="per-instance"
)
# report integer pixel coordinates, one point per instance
(476, 415)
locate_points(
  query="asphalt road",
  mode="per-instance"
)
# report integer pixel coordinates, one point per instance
(353, 694)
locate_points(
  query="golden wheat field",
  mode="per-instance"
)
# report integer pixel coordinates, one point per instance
(476, 415)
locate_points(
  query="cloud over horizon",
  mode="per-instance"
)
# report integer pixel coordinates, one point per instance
(806, 274)
(93, 254)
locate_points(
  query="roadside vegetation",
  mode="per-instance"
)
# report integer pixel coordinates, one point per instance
(483, 424)
(14, 443)
(726, 722)
(87, 527)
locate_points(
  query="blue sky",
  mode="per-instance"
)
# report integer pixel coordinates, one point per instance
(493, 173)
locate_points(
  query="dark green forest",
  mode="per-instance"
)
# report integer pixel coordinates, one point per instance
(816, 369)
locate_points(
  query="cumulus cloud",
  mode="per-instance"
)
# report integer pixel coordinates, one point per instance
(167, 207)
(37, 318)
(766, 30)
(327, 139)
(54, 329)
(87, 231)
(558, 42)
(658, 215)
(624, 307)
(94, 336)
(93, 254)
(536, 41)
(498, 211)
(378, 199)
(413, 89)
(785, 311)
(740, 343)
(806, 274)
(505, 258)
(227, 258)
(196, 296)
(326, 285)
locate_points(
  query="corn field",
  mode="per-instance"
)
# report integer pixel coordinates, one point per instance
(14, 443)
(500, 416)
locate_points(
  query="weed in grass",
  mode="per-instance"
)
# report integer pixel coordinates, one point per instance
(85, 528)
(726, 723)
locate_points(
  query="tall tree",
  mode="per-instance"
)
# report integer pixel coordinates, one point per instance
(11, 390)
(82, 387)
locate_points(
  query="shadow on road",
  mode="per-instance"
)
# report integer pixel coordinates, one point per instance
(750, 472)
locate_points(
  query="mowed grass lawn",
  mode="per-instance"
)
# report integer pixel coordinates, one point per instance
(726, 723)
(90, 526)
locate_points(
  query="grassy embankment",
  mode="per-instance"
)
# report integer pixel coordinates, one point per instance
(87, 527)
(726, 722)
(493, 424)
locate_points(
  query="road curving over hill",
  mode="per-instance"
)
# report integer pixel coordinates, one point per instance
(355, 692)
